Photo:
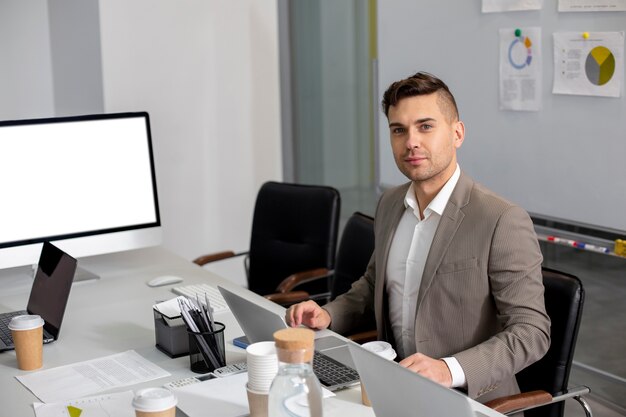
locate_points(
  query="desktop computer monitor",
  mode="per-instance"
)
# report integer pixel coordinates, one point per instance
(86, 183)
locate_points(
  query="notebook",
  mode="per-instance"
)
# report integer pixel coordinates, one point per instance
(48, 295)
(396, 391)
(332, 362)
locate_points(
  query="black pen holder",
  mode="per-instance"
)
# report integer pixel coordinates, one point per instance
(206, 349)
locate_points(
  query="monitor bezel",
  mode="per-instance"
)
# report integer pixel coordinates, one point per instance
(83, 118)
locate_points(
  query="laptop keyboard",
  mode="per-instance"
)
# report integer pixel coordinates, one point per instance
(5, 333)
(331, 372)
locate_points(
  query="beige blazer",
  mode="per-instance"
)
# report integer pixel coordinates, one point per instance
(481, 295)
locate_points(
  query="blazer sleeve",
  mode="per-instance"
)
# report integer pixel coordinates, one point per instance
(354, 308)
(514, 270)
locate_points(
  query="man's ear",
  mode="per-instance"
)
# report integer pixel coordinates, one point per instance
(459, 134)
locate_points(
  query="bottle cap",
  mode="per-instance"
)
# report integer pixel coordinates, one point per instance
(26, 322)
(294, 345)
(154, 399)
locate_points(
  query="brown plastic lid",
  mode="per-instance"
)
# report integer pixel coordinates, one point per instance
(294, 345)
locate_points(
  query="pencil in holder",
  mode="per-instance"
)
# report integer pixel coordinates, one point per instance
(206, 349)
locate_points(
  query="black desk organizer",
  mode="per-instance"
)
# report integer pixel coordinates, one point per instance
(171, 335)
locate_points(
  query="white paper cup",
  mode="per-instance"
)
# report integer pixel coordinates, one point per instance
(27, 333)
(154, 402)
(382, 349)
(262, 364)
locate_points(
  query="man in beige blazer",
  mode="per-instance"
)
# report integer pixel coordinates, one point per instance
(454, 282)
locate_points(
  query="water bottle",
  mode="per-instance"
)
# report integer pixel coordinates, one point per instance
(295, 391)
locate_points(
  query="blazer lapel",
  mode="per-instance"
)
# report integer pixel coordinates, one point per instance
(389, 220)
(448, 225)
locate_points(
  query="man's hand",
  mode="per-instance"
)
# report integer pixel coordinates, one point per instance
(308, 313)
(435, 369)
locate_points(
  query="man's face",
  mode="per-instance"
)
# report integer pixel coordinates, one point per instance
(423, 139)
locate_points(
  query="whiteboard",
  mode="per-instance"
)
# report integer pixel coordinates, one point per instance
(565, 161)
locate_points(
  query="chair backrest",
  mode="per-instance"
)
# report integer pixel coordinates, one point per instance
(355, 249)
(294, 229)
(564, 298)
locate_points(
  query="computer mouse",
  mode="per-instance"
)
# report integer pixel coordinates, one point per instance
(164, 280)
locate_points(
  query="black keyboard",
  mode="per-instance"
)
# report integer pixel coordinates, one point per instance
(332, 373)
(5, 333)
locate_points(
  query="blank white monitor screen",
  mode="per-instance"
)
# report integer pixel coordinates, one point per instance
(87, 182)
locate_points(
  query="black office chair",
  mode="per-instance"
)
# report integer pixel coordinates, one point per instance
(294, 234)
(353, 255)
(544, 384)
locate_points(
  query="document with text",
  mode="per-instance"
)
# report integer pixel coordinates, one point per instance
(90, 377)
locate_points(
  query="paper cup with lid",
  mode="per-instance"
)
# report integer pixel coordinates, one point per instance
(155, 402)
(27, 333)
(382, 349)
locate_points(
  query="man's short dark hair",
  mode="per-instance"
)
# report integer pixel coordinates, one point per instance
(421, 84)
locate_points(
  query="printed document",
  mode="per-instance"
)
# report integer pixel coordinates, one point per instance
(86, 378)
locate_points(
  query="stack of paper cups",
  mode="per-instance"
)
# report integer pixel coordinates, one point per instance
(262, 368)
(382, 349)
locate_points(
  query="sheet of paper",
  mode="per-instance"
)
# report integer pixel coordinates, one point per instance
(592, 5)
(520, 69)
(108, 405)
(589, 63)
(90, 377)
(169, 308)
(490, 6)
(218, 397)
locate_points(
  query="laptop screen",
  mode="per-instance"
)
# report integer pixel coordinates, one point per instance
(51, 288)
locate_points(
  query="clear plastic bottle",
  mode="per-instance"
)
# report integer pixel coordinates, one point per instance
(295, 391)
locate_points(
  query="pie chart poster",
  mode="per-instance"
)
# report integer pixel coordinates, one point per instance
(590, 64)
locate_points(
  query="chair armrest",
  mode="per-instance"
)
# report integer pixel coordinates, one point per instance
(288, 298)
(205, 259)
(519, 401)
(367, 336)
(298, 278)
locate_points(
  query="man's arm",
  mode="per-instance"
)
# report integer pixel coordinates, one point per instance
(517, 289)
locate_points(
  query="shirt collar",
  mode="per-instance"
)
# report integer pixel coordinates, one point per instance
(438, 204)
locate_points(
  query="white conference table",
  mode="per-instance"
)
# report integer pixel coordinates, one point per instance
(114, 314)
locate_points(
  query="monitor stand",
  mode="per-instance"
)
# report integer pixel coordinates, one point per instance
(83, 274)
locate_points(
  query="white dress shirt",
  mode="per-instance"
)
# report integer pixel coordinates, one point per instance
(405, 266)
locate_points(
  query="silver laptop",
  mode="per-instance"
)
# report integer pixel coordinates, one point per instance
(332, 362)
(396, 391)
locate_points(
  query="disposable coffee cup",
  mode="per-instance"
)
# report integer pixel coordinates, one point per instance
(382, 349)
(27, 332)
(257, 401)
(154, 402)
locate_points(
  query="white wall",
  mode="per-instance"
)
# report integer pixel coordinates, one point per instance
(207, 72)
(26, 88)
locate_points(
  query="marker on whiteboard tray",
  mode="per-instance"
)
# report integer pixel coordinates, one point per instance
(579, 245)
(620, 247)
(568, 242)
(594, 248)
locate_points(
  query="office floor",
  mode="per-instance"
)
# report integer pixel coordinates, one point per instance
(600, 352)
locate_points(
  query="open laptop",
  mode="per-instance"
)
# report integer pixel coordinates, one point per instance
(396, 391)
(332, 362)
(48, 295)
